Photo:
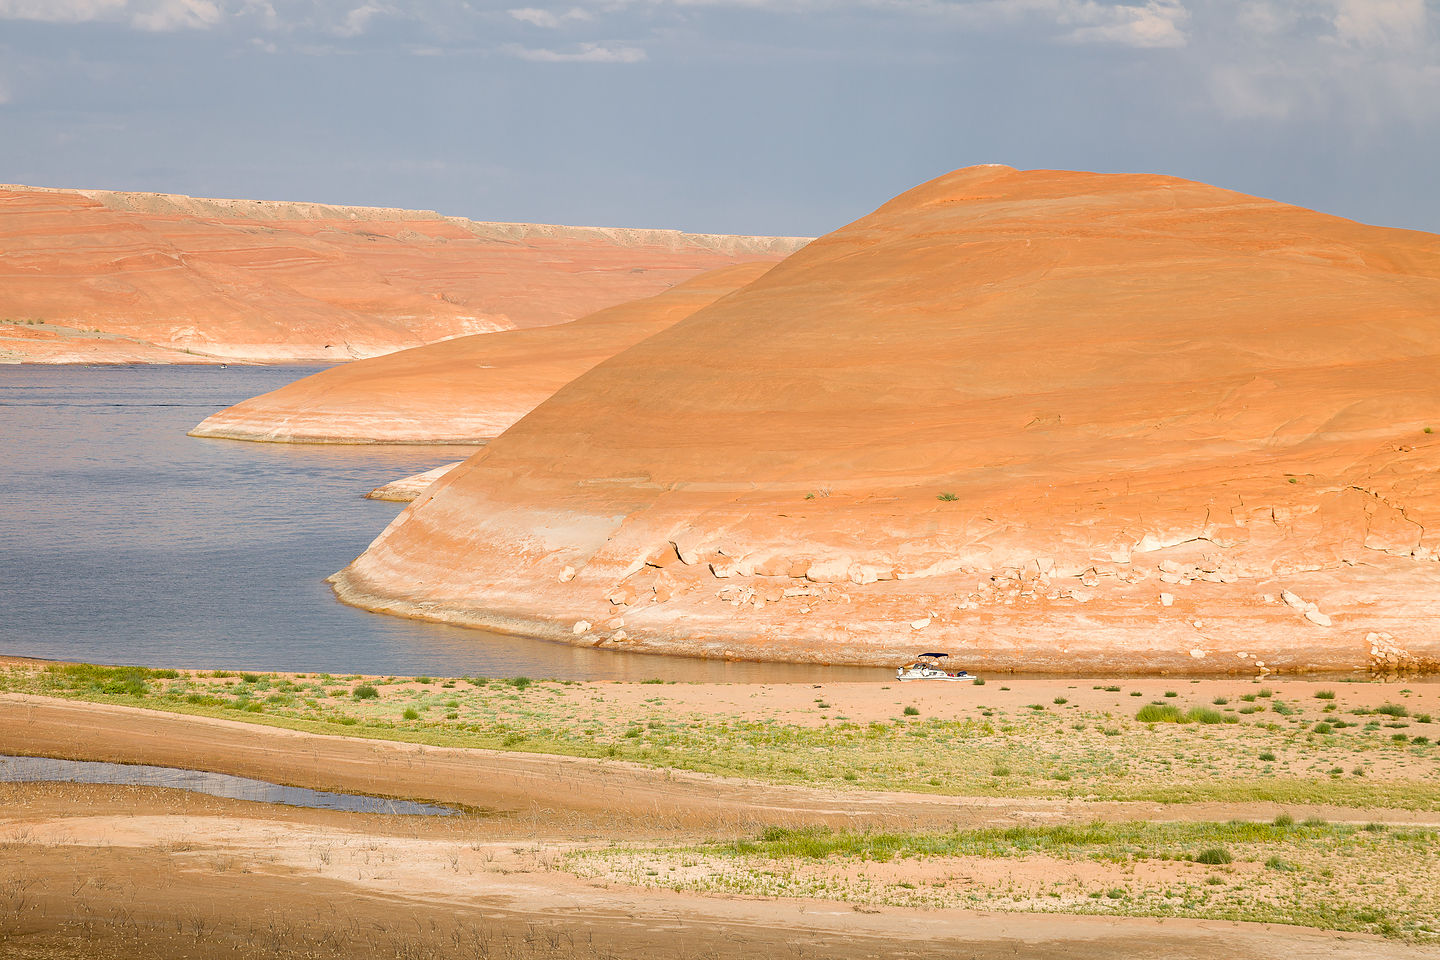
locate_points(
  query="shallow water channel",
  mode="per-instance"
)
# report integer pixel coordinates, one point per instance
(45, 769)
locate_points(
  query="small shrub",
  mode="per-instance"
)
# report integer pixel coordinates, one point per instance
(519, 683)
(1204, 715)
(1214, 856)
(1158, 713)
(411, 714)
(947, 496)
(1284, 820)
(1323, 727)
(250, 677)
(1324, 694)
(1220, 701)
(1060, 700)
(1267, 756)
(1112, 689)
(1284, 866)
(365, 692)
(1171, 693)
(1393, 710)
(1136, 693)
(426, 680)
(912, 711)
(980, 682)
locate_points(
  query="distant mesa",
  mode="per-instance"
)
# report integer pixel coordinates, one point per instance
(93, 276)
(1041, 420)
(465, 390)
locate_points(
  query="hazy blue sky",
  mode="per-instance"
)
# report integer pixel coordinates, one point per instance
(753, 116)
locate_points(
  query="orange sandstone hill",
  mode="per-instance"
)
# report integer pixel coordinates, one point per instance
(1041, 420)
(90, 276)
(465, 390)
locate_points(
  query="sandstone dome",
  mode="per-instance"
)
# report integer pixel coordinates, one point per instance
(465, 390)
(1043, 420)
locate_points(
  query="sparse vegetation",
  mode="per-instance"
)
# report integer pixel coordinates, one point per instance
(1338, 877)
(1175, 753)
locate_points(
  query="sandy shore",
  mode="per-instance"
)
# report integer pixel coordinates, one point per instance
(122, 871)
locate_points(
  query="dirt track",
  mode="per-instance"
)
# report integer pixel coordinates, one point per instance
(144, 872)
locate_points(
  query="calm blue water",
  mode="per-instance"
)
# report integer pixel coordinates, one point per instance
(122, 540)
(46, 770)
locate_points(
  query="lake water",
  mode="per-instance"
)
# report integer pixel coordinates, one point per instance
(124, 541)
(46, 770)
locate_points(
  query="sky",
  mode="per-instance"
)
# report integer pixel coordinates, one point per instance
(787, 117)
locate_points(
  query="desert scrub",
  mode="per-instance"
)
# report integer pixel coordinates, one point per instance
(1338, 877)
(953, 749)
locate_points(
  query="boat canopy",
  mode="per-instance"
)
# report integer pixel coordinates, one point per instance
(934, 654)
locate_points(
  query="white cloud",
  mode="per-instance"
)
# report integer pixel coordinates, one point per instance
(176, 15)
(549, 19)
(1361, 61)
(1155, 24)
(158, 15)
(358, 18)
(584, 53)
(1380, 23)
(61, 11)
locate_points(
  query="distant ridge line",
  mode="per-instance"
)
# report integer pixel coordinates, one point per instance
(177, 204)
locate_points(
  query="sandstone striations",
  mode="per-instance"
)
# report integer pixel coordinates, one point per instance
(465, 390)
(96, 276)
(1043, 420)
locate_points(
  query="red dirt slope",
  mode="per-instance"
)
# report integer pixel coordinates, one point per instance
(97, 276)
(465, 390)
(1045, 420)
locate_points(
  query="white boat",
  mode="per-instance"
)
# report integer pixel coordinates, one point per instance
(932, 666)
